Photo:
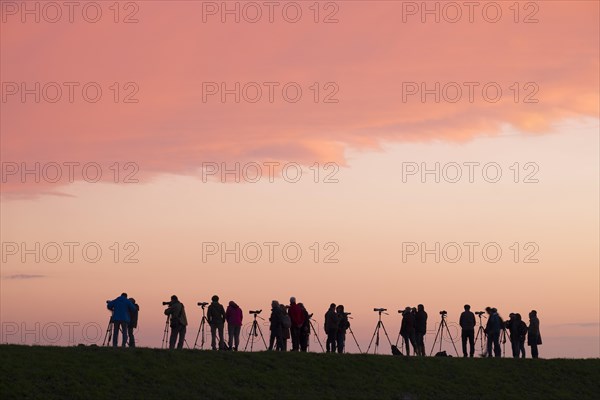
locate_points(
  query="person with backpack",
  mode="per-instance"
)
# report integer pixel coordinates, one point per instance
(234, 317)
(216, 320)
(178, 322)
(343, 326)
(133, 317)
(513, 328)
(331, 328)
(121, 308)
(297, 320)
(534, 338)
(522, 335)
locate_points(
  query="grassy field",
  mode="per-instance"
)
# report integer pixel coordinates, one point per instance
(106, 373)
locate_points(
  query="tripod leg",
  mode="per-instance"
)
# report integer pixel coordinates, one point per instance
(261, 336)
(398, 339)
(312, 327)
(373, 337)
(435, 340)
(450, 336)
(355, 341)
(386, 334)
(248, 339)
(197, 335)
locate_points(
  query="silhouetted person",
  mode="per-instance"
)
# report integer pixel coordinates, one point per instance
(286, 324)
(133, 320)
(522, 334)
(492, 330)
(276, 326)
(297, 319)
(513, 328)
(331, 328)
(178, 322)
(534, 338)
(343, 326)
(420, 329)
(234, 317)
(467, 323)
(121, 308)
(216, 320)
(305, 330)
(407, 330)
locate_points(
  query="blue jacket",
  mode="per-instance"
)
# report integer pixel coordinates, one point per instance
(121, 306)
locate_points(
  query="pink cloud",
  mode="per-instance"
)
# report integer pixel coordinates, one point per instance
(368, 54)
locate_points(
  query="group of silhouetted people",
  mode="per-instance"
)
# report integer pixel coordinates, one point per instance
(125, 318)
(516, 329)
(336, 325)
(289, 322)
(413, 329)
(294, 322)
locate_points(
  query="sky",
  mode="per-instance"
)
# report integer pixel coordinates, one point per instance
(371, 154)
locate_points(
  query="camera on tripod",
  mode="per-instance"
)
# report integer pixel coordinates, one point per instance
(480, 313)
(443, 313)
(255, 312)
(202, 304)
(380, 309)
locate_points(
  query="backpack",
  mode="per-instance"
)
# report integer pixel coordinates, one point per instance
(286, 322)
(396, 351)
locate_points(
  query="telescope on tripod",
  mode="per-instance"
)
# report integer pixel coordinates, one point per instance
(378, 327)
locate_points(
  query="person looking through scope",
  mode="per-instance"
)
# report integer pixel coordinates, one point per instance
(331, 328)
(492, 330)
(467, 323)
(420, 329)
(216, 320)
(121, 308)
(177, 321)
(407, 330)
(234, 317)
(343, 326)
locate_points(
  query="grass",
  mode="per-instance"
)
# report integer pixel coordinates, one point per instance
(103, 373)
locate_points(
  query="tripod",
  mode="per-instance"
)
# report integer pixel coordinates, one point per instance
(376, 333)
(312, 327)
(201, 328)
(109, 333)
(254, 331)
(165, 339)
(440, 333)
(481, 337)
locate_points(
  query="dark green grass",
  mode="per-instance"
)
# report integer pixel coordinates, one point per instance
(106, 373)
